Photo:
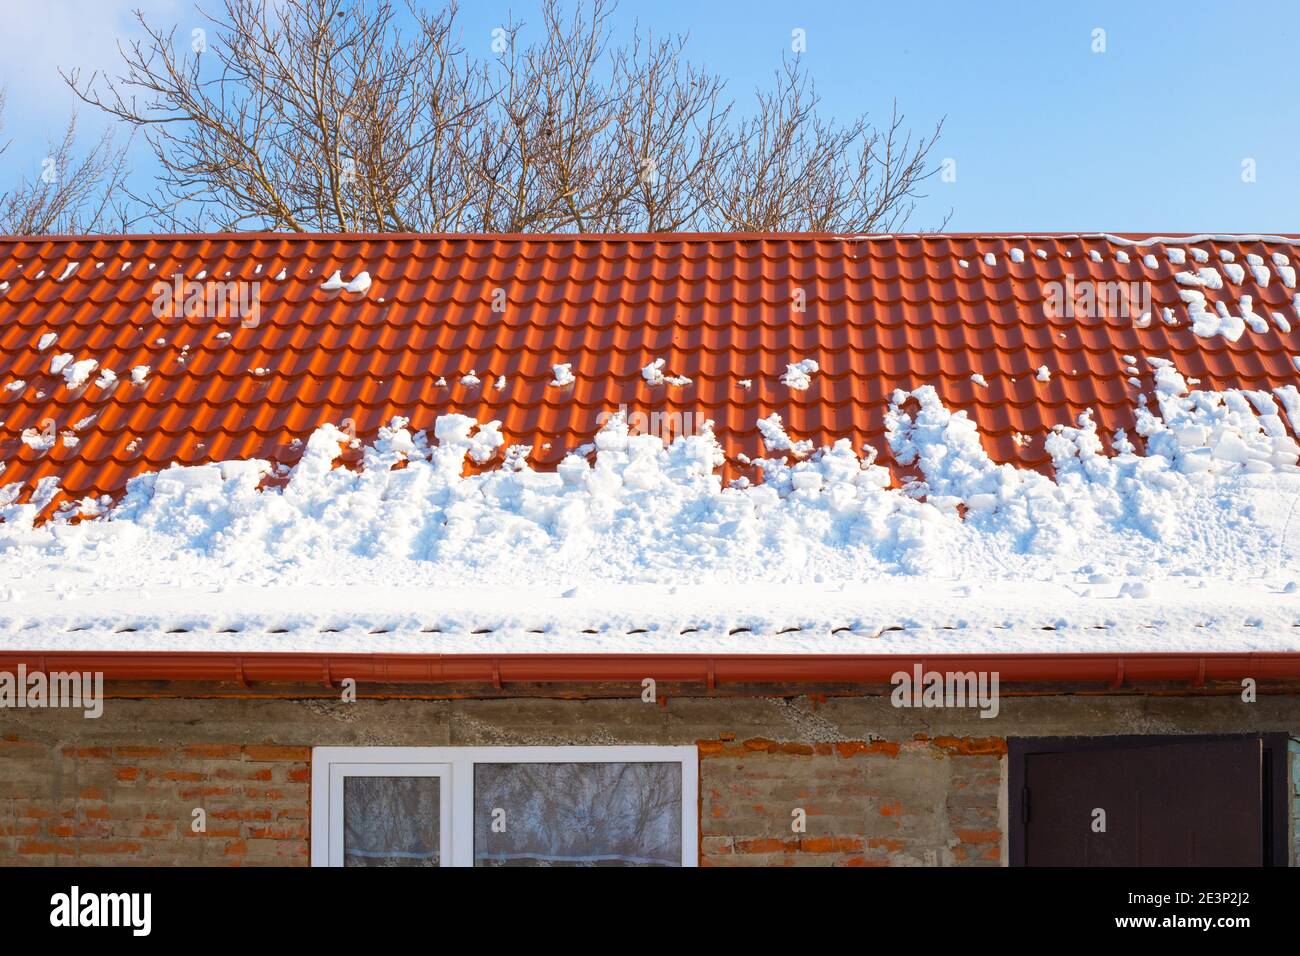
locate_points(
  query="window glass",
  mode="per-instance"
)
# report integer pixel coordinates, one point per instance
(391, 821)
(577, 814)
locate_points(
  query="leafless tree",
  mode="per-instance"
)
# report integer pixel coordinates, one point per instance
(334, 115)
(793, 170)
(74, 191)
(318, 114)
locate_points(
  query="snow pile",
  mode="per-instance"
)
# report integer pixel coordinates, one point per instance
(639, 511)
(75, 374)
(409, 497)
(799, 375)
(38, 440)
(1203, 431)
(336, 281)
(775, 439)
(654, 375)
(1211, 499)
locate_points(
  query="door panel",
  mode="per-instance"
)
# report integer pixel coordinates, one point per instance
(1064, 790)
(1205, 805)
(1184, 803)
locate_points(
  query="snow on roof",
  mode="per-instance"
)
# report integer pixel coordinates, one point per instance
(878, 313)
(927, 488)
(904, 617)
(638, 547)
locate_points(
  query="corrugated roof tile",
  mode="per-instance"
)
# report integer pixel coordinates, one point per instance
(876, 313)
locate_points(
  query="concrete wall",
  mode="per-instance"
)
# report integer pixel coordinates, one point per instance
(879, 785)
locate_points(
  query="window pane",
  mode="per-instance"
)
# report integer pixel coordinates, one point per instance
(578, 814)
(390, 821)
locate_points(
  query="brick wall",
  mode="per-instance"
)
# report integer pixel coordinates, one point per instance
(875, 789)
(124, 805)
(863, 804)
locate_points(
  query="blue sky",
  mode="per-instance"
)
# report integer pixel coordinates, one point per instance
(1046, 134)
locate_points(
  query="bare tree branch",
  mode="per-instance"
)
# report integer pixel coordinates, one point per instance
(335, 115)
(74, 191)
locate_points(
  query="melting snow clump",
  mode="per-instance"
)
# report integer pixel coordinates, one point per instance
(654, 375)
(799, 375)
(360, 284)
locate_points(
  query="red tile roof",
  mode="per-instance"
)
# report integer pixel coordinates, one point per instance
(881, 313)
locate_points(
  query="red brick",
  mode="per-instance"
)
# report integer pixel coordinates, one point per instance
(135, 753)
(179, 776)
(99, 752)
(298, 832)
(125, 847)
(212, 751)
(263, 793)
(830, 844)
(197, 793)
(856, 748)
(884, 843)
(276, 752)
(246, 813)
(970, 745)
(765, 845)
(45, 848)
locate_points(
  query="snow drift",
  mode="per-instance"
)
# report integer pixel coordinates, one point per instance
(1213, 495)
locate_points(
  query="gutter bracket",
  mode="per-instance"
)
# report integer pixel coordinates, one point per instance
(1118, 682)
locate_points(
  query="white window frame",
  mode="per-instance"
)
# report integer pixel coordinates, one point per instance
(454, 766)
(363, 768)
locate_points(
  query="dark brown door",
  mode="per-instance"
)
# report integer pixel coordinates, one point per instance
(1193, 803)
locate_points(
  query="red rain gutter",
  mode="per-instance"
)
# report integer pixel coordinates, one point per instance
(711, 670)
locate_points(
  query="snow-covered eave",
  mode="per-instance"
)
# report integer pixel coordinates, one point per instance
(1115, 671)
